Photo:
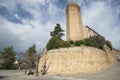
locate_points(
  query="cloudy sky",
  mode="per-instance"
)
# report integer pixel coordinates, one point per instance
(27, 22)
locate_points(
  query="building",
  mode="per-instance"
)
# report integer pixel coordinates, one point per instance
(75, 28)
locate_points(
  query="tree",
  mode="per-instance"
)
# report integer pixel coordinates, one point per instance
(54, 43)
(30, 58)
(41, 53)
(58, 32)
(8, 54)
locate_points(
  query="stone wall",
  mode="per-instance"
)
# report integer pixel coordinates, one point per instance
(76, 60)
(117, 53)
(89, 32)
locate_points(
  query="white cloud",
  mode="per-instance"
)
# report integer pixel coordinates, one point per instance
(36, 7)
(9, 4)
(21, 36)
(98, 16)
(17, 16)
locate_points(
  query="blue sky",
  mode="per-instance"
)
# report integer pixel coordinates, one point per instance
(27, 22)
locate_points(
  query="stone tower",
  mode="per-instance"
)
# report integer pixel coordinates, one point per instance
(75, 29)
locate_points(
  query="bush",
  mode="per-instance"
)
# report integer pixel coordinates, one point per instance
(95, 41)
(87, 42)
(78, 43)
(71, 42)
(54, 43)
(65, 44)
(108, 43)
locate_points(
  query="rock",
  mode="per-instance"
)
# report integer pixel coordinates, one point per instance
(76, 60)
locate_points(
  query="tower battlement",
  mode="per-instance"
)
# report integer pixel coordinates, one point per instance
(71, 4)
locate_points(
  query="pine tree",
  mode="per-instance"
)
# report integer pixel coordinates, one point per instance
(58, 32)
(8, 56)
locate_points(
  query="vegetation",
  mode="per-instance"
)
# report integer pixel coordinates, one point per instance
(64, 44)
(30, 58)
(54, 43)
(56, 40)
(8, 55)
(27, 61)
(41, 53)
(58, 31)
(93, 41)
(71, 42)
(108, 43)
(78, 43)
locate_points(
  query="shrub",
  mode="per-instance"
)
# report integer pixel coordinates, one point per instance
(65, 44)
(78, 43)
(87, 42)
(71, 42)
(95, 41)
(108, 43)
(54, 43)
(81, 42)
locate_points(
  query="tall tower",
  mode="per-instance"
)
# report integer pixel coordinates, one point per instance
(75, 29)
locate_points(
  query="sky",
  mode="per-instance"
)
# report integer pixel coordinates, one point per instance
(27, 22)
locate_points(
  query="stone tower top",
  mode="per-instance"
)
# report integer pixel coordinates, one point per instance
(73, 4)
